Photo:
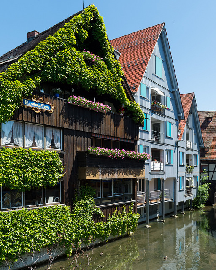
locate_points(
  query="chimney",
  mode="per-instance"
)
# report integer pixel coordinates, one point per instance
(31, 35)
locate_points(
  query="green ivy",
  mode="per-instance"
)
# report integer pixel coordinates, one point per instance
(27, 231)
(22, 168)
(61, 58)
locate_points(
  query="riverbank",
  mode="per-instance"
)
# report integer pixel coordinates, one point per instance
(185, 242)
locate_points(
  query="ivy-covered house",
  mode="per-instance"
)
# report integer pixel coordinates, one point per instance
(63, 91)
(147, 63)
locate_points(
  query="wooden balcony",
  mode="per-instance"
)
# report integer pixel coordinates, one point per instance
(102, 167)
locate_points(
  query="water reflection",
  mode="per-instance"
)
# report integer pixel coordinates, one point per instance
(186, 242)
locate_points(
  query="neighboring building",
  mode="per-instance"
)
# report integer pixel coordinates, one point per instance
(208, 153)
(148, 67)
(188, 150)
(67, 128)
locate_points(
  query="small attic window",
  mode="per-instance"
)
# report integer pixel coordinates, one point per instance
(208, 119)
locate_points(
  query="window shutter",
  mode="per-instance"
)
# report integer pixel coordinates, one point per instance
(171, 156)
(197, 160)
(145, 122)
(148, 122)
(169, 129)
(168, 102)
(141, 148)
(180, 158)
(143, 89)
(180, 182)
(197, 180)
(158, 67)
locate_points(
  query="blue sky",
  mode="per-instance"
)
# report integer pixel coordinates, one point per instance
(190, 26)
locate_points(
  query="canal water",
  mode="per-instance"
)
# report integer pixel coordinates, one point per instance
(185, 242)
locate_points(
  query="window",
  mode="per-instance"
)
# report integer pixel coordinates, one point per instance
(158, 66)
(169, 129)
(144, 90)
(12, 134)
(169, 156)
(168, 102)
(34, 136)
(157, 184)
(141, 185)
(146, 126)
(195, 160)
(181, 158)
(181, 182)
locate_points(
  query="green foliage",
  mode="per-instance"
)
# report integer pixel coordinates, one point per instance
(202, 194)
(62, 58)
(22, 168)
(26, 231)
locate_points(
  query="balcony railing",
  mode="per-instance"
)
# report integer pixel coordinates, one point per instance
(157, 109)
(157, 136)
(102, 167)
(157, 166)
(189, 169)
(188, 144)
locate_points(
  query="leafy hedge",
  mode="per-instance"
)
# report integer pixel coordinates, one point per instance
(61, 58)
(22, 168)
(26, 231)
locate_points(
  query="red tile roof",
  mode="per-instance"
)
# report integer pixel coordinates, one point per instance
(186, 100)
(208, 128)
(136, 50)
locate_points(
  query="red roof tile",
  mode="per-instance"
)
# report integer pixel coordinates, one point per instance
(136, 50)
(186, 100)
(208, 128)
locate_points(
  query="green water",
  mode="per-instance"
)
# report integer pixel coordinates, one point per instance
(185, 242)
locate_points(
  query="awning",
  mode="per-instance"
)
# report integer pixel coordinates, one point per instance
(157, 91)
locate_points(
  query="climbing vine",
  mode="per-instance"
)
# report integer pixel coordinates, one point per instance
(22, 168)
(64, 58)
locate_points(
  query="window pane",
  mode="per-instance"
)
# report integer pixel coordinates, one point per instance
(11, 198)
(95, 184)
(53, 138)
(107, 188)
(34, 197)
(12, 134)
(53, 194)
(34, 136)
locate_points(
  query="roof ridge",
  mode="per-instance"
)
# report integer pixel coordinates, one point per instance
(140, 30)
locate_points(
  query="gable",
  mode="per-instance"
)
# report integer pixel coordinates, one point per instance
(139, 53)
(78, 54)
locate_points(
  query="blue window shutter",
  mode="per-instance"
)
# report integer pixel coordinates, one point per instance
(145, 122)
(170, 129)
(197, 160)
(167, 126)
(171, 156)
(143, 89)
(158, 67)
(180, 158)
(180, 182)
(197, 180)
(141, 148)
(148, 122)
(169, 132)
(168, 102)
